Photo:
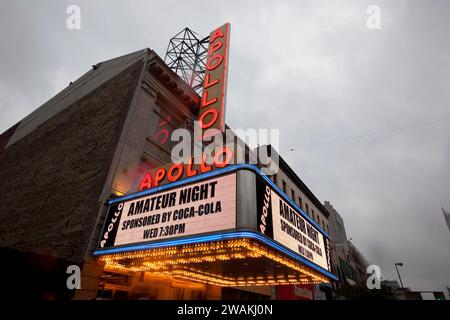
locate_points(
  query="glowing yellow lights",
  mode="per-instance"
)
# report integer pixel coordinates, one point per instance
(189, 263)
(119, 193)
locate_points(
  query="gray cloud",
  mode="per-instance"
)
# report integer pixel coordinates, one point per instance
(311, 69)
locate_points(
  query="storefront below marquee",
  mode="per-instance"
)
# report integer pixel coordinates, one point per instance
(222, 255)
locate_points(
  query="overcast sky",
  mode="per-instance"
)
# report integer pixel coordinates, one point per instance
(309, 68)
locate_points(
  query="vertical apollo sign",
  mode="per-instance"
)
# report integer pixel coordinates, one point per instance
(212, 106)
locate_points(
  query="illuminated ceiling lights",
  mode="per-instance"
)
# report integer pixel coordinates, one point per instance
(188, 262)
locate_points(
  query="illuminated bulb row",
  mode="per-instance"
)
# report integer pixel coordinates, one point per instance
(208, 279)
(262, 251)
(195, 275)
(117, 266)
(255, 251)
(200, 259)
(237, 255)
(176, 250)
(250, 279)
(211, 257)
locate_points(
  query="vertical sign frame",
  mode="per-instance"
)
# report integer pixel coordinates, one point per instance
(212, 105)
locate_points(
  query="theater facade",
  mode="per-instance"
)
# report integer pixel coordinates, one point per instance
(230, 228)
(91, 182)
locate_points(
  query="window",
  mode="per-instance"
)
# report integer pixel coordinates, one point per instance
(307, 210)
(293, 195)
(313, 216)
(300, 203)
(284, 186)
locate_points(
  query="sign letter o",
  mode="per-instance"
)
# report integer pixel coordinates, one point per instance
(175, 177)
(211, 65)
(215, 115)
(228, 156)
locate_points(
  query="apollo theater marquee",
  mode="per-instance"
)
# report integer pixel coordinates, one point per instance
(221, 224)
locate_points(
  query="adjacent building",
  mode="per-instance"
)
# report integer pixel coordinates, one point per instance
(337, 227)
(407, 294)
(347, 261)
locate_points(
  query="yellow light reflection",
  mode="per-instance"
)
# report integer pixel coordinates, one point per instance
(182, 262)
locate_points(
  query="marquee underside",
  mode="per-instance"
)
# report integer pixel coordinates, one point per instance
(234, 262)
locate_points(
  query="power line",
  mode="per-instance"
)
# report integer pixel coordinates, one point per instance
(370, 134)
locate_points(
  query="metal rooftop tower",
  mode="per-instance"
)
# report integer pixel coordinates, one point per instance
(186, 55)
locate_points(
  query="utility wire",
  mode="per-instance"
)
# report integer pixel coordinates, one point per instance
(370, 134)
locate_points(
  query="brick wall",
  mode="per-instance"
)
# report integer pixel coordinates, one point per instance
(52, 178)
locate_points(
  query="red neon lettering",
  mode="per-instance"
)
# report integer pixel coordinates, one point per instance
(160, 173)
(215, 115)
(189, 171)
(207, 84)
(227, 159)
(146, 182)
(165, 134)
(170, 175)
(217, 34)
(205, 101)
(210, 66)
(204, 167)
(214, 47)
(222, 157)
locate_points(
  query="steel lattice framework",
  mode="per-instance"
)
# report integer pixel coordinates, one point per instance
(186, 55)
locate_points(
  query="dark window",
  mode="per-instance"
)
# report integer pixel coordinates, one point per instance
(293, 195)
(284, 186)
(307, 209)
(300, 203)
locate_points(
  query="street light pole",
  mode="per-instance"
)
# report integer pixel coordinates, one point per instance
(401, 265)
